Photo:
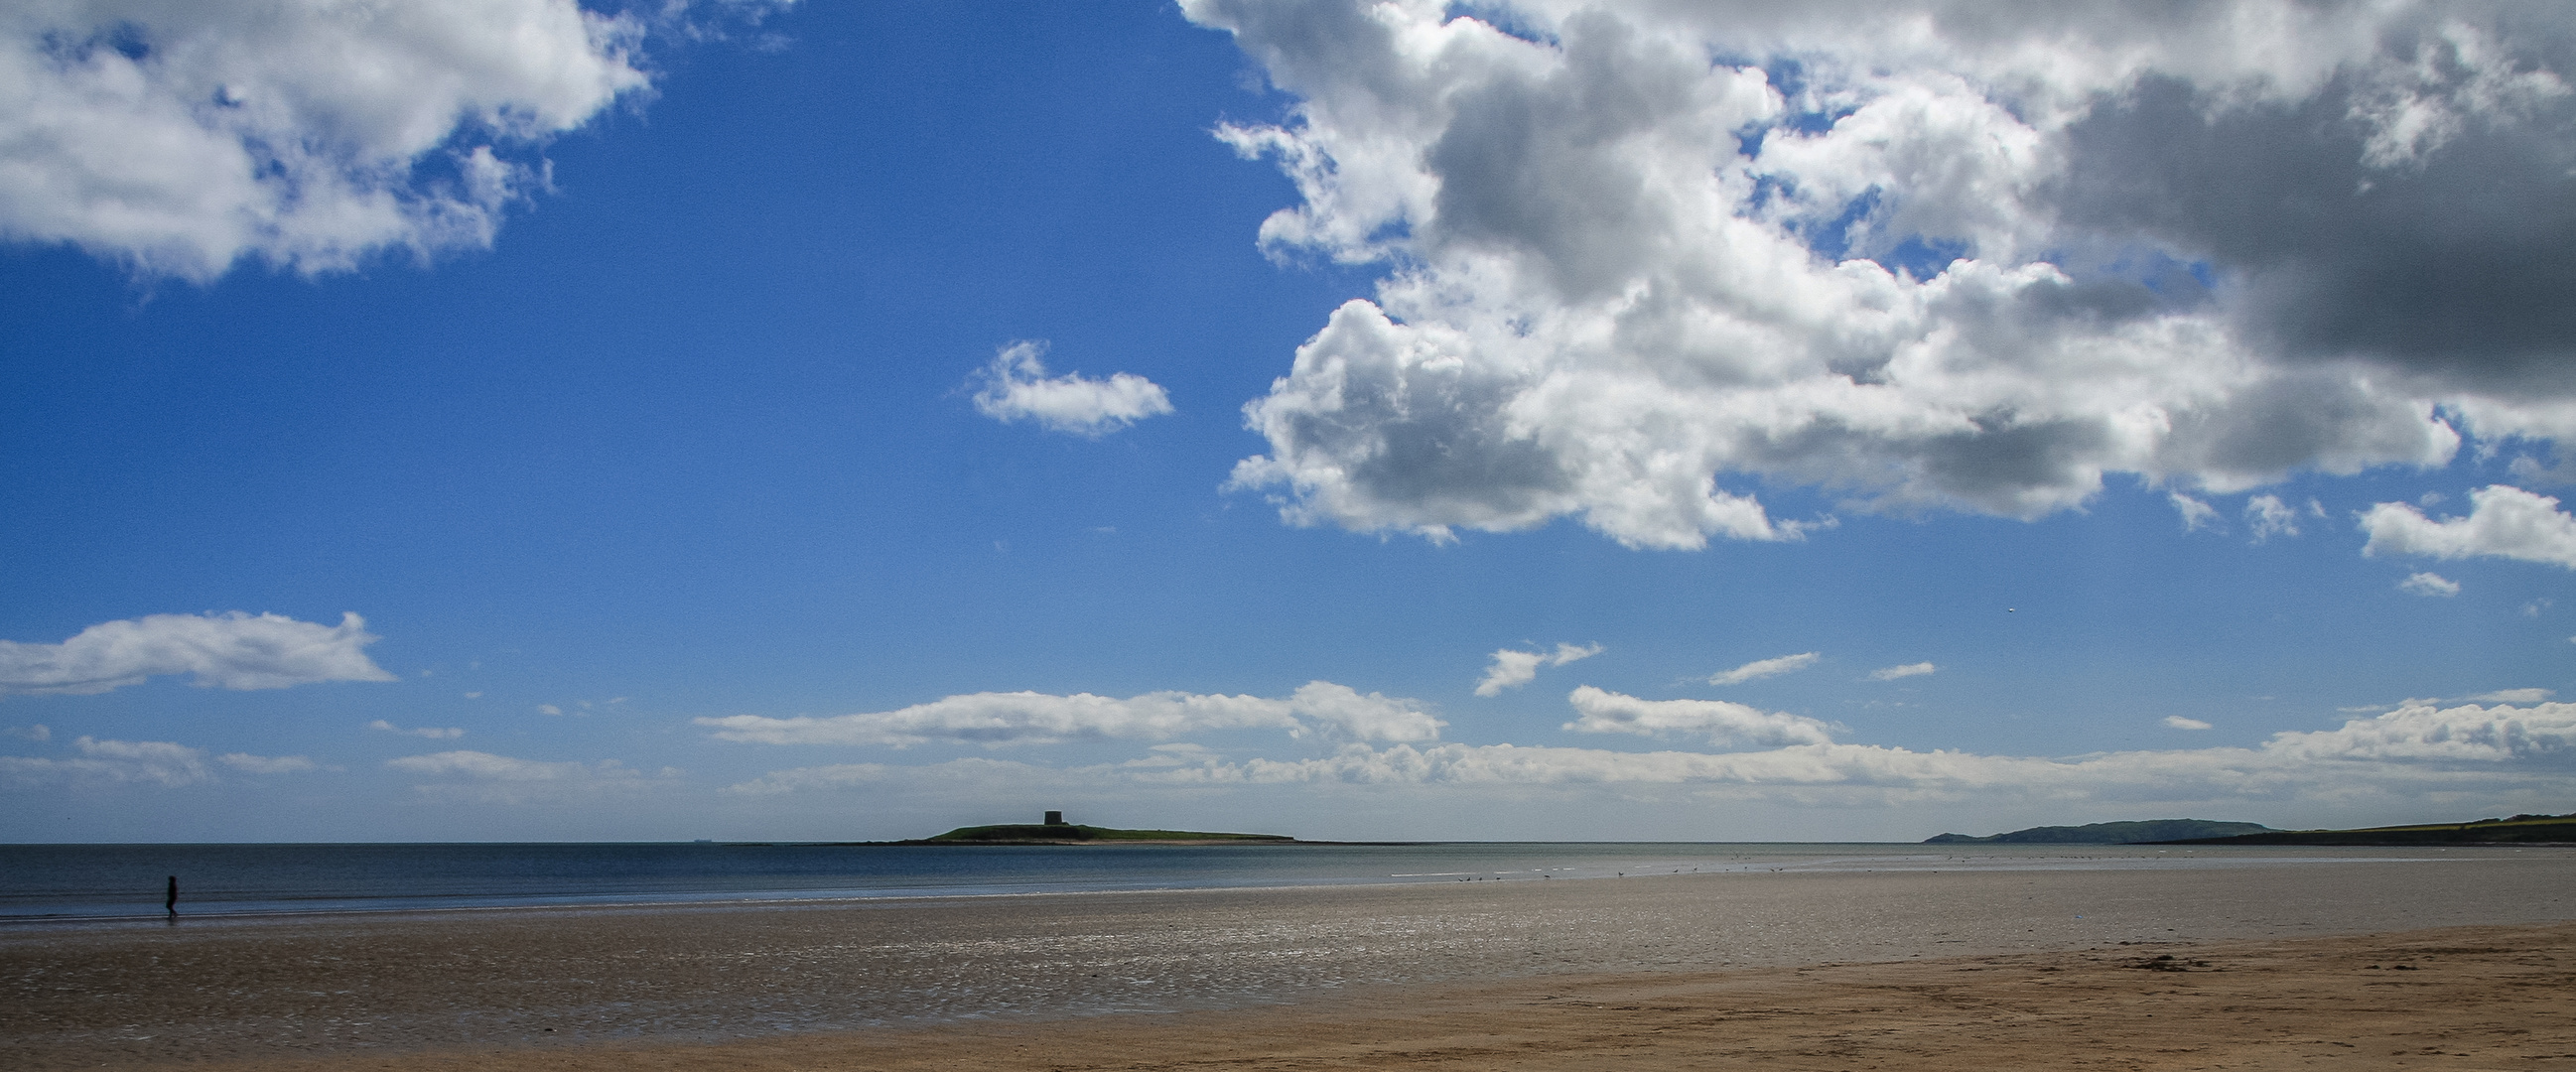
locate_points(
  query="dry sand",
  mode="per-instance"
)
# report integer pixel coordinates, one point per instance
(2465, 962)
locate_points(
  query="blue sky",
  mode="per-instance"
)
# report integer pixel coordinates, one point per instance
(851, 421)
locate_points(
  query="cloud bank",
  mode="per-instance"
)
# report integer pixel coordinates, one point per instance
(1913, 254)
(181, 138)
(231, 651)
(1015, 387)
(1721, 722)
(2417, 748)
(163, 763)
(1015, 718)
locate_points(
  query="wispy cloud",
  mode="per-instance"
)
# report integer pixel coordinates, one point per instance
(2180, 723)
(1008, 718)
(1512, 669)
(163, 763)
(1892, 673)
(155, 762)
(1761, 668)
(433, 733)
(2196, 515)
(2268, 516)
(1719, 721)
(230, 651)
(486, 778)
(250, 764)
(835, 776)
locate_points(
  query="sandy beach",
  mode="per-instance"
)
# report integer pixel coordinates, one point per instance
(2463, 959)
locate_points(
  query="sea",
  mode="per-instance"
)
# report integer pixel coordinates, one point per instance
(57, 884)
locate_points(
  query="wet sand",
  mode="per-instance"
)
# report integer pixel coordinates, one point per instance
(2272, 965)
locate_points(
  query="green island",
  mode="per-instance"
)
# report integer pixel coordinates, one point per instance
(1055, 831)
(2514, 830)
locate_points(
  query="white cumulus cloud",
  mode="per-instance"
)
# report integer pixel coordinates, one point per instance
(1008, 718)
(2417, 730)
(1721, 722)
(1512, 669)
(2515, 696)
(1908, 670)
(1640, 259)
(1761, 668)
(2429, 584)
(231, 651)
(2504, 522)
(181, 138)
(1016, 386)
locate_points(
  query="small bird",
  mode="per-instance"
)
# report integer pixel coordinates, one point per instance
(2009, 610)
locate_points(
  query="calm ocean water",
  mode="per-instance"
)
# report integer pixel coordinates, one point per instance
(106, 882)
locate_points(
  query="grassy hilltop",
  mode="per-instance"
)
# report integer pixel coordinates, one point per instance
(2128, 833)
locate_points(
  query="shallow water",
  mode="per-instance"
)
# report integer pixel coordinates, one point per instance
(98, 882)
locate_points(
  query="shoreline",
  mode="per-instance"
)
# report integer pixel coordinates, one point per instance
(1744, 858)
(765, 979)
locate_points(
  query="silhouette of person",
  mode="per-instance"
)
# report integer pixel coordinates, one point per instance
(170, 904)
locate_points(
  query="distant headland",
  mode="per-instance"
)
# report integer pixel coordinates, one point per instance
(1056, 831)
(2515, 830)
(2512, 830)
(2128, 833)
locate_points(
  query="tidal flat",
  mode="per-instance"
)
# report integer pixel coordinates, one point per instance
(1167, 978)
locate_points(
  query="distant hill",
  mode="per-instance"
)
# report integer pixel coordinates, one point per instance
(2128, 833)
(2516, 830)
(1077, 834)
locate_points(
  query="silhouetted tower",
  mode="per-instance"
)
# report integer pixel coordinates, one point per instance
(1055, 818)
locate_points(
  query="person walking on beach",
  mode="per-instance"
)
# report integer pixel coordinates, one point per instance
(170, 904)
